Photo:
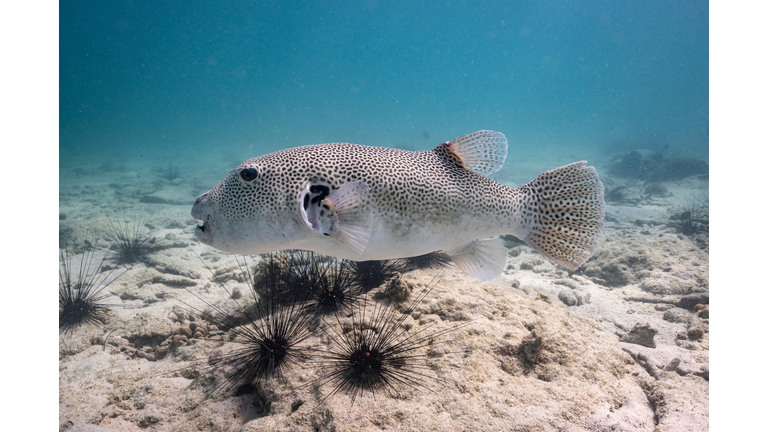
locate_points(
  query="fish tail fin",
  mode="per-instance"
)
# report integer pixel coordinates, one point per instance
(563, 212)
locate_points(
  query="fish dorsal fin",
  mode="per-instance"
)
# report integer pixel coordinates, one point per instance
(482, 152)
(482, 259)
(342, 215)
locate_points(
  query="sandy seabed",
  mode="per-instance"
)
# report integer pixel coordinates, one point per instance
(620, 344)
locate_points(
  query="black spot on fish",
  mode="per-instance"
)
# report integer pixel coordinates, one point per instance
(322, 192)
(320, 189)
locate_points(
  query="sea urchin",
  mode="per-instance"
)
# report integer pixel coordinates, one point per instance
(268, 336)
(328, 282)
(372, 274)
(378, 353)
(81, 294)
(131, 241)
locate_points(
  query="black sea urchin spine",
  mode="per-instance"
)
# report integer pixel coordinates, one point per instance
(131, 241)
(269, 335)
(81, 294)
(327, 284)
(432, 260)
(372, 274)
(378, 353)
(694, 216)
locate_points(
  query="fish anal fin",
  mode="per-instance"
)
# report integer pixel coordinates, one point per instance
(482, 259)
(482, 152)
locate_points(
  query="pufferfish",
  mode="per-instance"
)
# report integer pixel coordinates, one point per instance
(372, 203)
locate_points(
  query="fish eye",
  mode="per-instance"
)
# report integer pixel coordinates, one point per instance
(249, 174)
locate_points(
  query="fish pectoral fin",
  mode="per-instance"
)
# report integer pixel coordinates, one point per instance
(483, 152)
(482, 259)
(344, 216)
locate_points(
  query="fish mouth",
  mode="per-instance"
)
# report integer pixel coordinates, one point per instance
(202, 232)
(201, 229)
(199, 217)
(200, 212)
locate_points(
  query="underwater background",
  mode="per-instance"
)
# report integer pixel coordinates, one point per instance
(243, 79)
(159, 101)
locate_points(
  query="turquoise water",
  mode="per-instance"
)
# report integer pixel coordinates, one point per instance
(159, 101)
(580, 78)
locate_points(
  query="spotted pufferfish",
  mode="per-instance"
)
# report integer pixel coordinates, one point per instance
(372, 203)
